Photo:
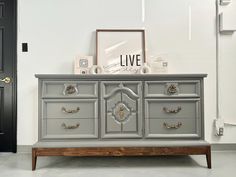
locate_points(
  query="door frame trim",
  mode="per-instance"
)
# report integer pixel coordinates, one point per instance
(14, 86)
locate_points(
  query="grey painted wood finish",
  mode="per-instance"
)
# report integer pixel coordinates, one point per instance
(161, 108)
(69, 108)
(121, 97)
(116, 107)
(68, 113)
(123, 143)
(159, 113)
(188, 88)
(96, 77)
(54, 128)
(189, 128)
(51, 89)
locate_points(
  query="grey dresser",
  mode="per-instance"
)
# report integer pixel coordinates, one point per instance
(114, 115)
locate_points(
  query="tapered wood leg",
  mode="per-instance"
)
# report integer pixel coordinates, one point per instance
(208, 157)
(34, 159)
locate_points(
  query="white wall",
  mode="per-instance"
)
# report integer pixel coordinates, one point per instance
(228, 62)
(227, 75)
(58, 30)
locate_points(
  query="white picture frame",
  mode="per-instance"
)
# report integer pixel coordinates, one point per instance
(120, 51)
(83, 64)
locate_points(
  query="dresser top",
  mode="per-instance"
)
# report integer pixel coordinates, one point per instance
(120, 76)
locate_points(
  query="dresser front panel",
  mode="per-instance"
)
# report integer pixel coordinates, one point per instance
(70, 108)
(172, 108)
(69, 89)
(121, 109)
(172, 88)
(109, 107)
(69, 128)
(173, 128)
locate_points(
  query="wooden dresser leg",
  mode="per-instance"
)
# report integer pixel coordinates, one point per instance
(208, 157)
(34, 158)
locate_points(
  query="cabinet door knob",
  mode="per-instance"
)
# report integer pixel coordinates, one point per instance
(7, 80)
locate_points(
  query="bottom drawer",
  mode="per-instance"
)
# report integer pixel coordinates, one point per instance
(172, 128)
(69, 128)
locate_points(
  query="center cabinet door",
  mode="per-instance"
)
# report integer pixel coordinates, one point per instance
(121, 110)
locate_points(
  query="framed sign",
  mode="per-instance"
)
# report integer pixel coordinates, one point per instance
(120, 51)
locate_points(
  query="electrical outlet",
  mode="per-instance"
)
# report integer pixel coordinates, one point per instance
(24, 47)
(221, 131)
(219, 125)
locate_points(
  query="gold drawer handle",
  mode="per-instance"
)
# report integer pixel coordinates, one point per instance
(72, 111)
(172, 110)
(70, 126)
(178, 125)
(172, 89)
(70, 90)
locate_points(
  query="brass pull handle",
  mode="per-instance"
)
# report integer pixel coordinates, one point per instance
(178, 125)
(172, 110)
(70, 126)
(70, 89)
(172, 89)
(70, 111)
(7, 80)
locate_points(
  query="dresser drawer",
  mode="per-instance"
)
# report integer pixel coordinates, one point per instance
(69, 128)
(172, 88)
(75, 89)
(173, 128)
(62, 108)
(172, 108)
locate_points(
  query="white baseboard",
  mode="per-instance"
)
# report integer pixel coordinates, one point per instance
(24, 148)
(223, 147)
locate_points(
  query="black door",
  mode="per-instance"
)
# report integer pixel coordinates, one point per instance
(7, 75)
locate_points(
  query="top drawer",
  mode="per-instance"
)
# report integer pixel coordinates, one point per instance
(67, 89)
(173, 88)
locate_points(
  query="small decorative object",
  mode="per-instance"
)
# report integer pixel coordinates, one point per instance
(95, 69)
(159, 65)
(120, 51)
(145, 69)
(83, 64)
